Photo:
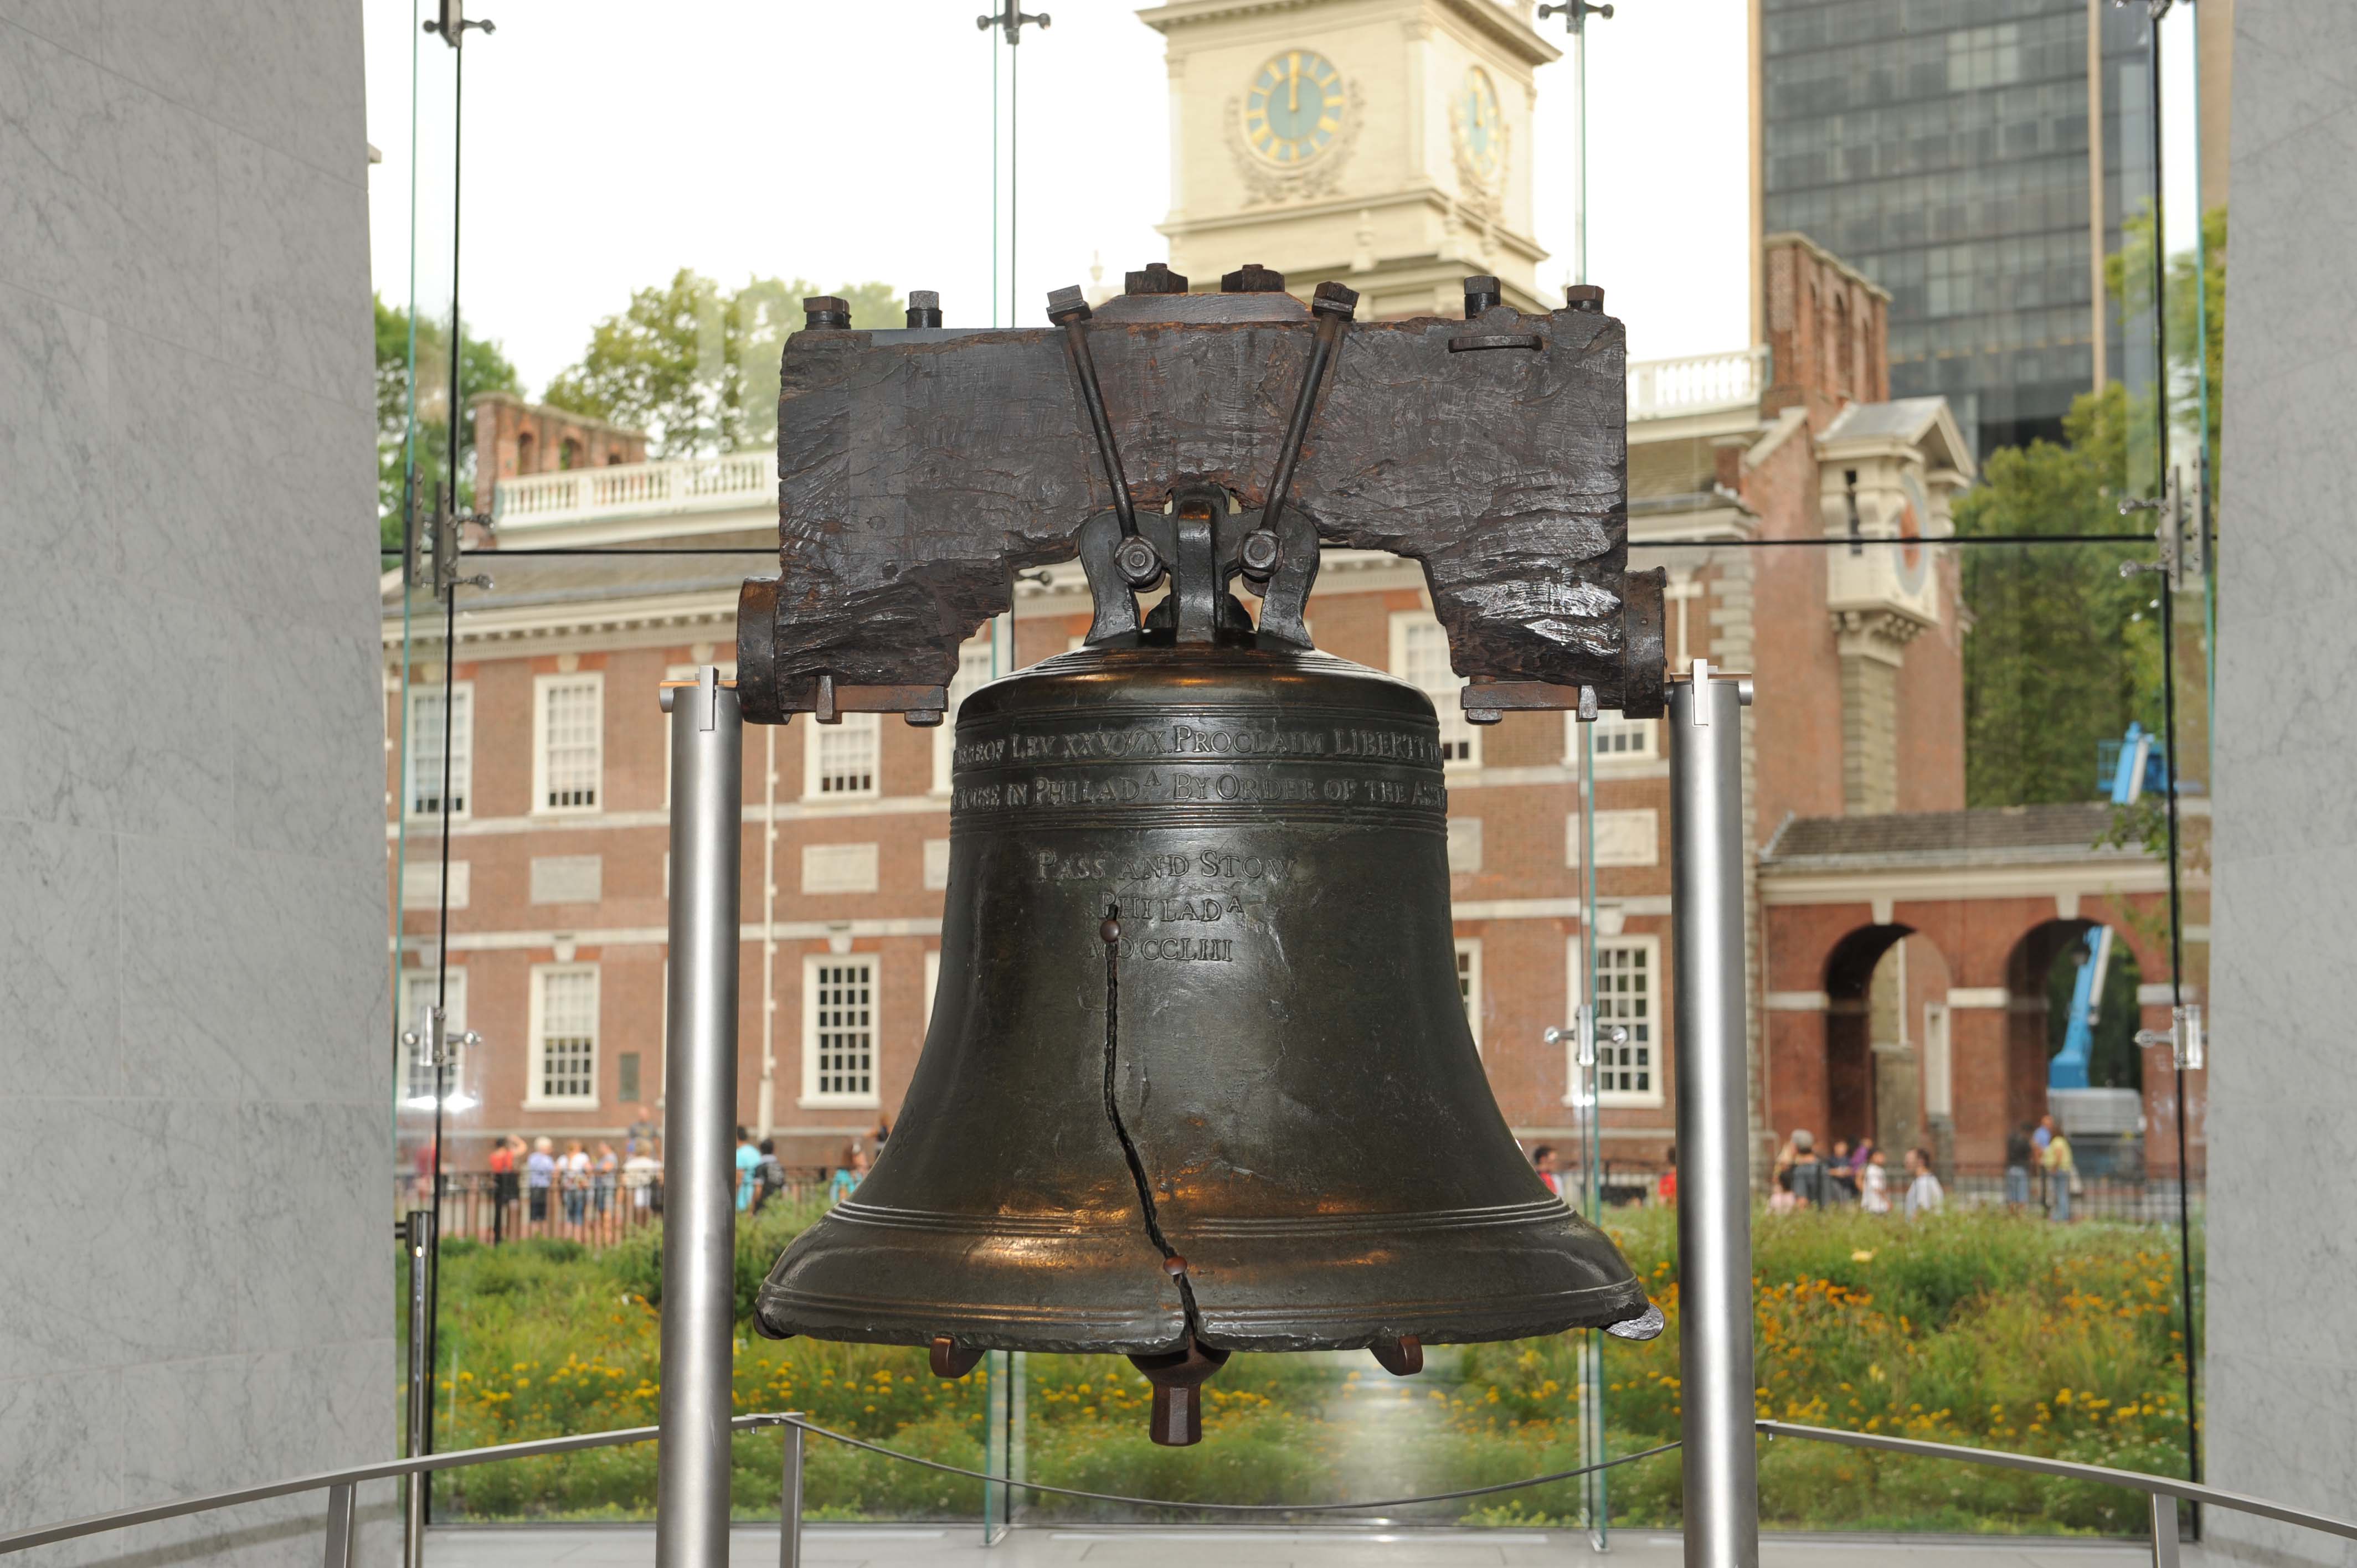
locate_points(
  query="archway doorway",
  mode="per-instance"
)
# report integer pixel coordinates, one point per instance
(2097, 1094)
(1886, 1062)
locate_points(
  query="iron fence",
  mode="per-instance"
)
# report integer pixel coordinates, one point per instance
(495, 1208)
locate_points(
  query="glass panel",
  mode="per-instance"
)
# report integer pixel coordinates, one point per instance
(1988, 172)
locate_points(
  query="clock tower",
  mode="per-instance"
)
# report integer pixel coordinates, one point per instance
(1384, 143)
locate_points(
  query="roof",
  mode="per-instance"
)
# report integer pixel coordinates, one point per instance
(638, 572)
(1925, 422)
(1997, 836)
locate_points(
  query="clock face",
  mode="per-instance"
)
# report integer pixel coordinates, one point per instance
(1477, 107)
(1294, 108)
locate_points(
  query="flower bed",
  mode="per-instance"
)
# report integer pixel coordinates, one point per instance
(1988, 1329)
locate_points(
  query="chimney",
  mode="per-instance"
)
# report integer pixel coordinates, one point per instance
(1828, 332)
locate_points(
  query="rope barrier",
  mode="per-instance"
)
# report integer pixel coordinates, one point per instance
(1222, 1508)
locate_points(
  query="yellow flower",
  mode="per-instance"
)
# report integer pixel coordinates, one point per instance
(1863, 1256)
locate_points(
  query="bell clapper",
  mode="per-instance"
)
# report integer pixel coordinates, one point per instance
(1402, 1357)
(952, 1360)
(1178, 1376)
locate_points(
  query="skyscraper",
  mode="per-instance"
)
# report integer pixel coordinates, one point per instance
(1978, 162)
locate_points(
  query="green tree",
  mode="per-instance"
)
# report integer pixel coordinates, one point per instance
(695, 366)
(2193, 316)
(2064, 652)
(482, 368)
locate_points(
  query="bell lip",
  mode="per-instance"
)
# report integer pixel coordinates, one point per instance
(782, 1314)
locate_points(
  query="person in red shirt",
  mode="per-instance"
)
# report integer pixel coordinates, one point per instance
(1665, 1191)
(503, 1181)
(1543, 1161)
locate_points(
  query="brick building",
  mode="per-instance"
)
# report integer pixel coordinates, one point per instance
(1901, 944)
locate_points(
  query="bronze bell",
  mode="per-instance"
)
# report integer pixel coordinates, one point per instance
(1199, 1078)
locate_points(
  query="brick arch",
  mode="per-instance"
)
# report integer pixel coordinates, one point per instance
(1849, 970)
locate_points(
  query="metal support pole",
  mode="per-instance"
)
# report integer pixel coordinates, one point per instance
(699, 1118)
(1720, 1459)
(417, 1235)
(340, 1527)
(789, 1501)
(2164, 1530)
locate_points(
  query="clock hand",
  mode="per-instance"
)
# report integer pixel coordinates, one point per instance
(1293, 85)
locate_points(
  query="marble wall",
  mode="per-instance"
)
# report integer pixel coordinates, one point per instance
(2282, 1358)
(196, 1258)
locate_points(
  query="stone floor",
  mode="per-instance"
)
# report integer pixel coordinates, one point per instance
(875, 1546)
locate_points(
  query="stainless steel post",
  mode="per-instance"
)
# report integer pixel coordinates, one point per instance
(338, 1553)
(1721, 1462)
(790, 1501)
(699, 1118)
(2164, 1530)
(417, 1235)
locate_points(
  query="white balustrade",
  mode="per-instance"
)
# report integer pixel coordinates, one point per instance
(639, 489)
(1658, 389)
(1699, 384)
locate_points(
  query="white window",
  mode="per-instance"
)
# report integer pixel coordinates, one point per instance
(423, 796)
(421, 882)
(1939, 1089)
(1628, 996)
(839, 761)
(937, 865)
(932, 984)
(1469, 983)
(417, 988)
(839, 1030)
(568, 728)
(839, 868)
(1464, 843)
(1622, 837)
(564, 1035)
(1420, 658)
(1617, 739)
(973, 673)
(567, 878)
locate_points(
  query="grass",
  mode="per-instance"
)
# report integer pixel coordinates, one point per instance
(1977, 1328)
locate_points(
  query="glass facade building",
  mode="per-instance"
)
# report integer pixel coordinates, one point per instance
(1967, 159)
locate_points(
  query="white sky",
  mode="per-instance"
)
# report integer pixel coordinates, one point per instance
(608, 144)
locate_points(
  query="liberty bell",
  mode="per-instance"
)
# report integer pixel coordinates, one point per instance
(1198, 1078)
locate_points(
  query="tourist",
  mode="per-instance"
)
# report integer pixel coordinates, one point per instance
(847, 1177)
(1665, 1190)
(503, 1175)
(1841, 1174)
(1874, 1185)
(575, 1181)
(640, 1173)
(609, 1171)
(883, 1131)
(540, 1173)
(1924, 1194)
(1542, 1162)
(642, 1134)
(1807, 1178)
(2038, 1138)
(2062, 1175)
(769, 1176)
(749, 1160)
(1781, 1198)
(2018, 1156)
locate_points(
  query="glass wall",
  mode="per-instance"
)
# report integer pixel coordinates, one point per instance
(1915, 493)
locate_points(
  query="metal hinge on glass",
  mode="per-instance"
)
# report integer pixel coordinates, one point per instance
(430, 1041)
(2183, 1037)
(1583, 1034)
